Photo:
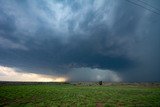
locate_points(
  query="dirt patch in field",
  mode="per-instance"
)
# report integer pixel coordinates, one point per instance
(99, 104)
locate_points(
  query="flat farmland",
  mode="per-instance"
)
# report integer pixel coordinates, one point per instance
(79, 95)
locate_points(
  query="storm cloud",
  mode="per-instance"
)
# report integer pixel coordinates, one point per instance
(90, 37)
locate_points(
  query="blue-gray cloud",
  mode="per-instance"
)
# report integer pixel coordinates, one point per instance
(59, 36)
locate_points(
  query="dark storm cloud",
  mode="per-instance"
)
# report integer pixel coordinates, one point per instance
(59, 36)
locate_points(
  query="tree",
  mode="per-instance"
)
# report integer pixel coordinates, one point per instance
(100, 82)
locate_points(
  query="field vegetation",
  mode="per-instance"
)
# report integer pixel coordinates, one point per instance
(79, 95)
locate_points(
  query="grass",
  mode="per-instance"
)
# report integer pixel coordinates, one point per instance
(66, 95)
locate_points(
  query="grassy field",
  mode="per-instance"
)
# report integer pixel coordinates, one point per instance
(68, 95)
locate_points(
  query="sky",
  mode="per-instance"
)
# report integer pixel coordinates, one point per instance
(80, 40)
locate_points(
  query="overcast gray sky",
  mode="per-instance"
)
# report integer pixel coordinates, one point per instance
(81, 40)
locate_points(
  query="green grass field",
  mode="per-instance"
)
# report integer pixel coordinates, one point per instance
(67, 95)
